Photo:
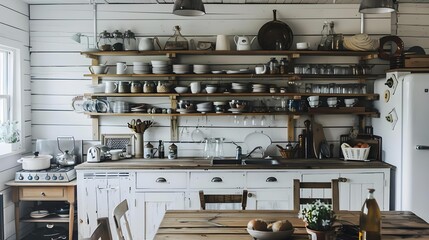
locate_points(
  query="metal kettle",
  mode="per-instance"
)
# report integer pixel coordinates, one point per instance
(67, 158)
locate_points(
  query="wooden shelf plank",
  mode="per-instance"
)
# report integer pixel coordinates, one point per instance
(46, 219)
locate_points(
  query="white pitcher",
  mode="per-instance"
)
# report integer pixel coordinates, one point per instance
(148, 44)
(243, 43)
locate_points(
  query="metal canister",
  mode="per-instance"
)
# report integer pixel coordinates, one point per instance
(172, 151)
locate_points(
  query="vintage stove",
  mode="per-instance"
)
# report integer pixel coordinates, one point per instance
(54, 175)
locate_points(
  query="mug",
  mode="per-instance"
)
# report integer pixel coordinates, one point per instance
(100, 69)
(121, 67)
(302, 45)
(332, 103)
(195, 87)
(261, 69)
(314, 104)
(222, 43)
(116, 154)
(313, 98)
(111, 87)
(350, 102)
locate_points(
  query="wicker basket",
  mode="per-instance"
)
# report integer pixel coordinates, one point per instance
(350, 153)
(287, 154)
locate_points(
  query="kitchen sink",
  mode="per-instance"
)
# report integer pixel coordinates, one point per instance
(260, 161)
(246, 161)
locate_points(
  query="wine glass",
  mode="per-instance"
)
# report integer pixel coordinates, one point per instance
(245, 121)
(263, 121)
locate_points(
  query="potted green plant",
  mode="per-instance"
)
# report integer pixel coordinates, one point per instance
(9, 137)
(319, 218)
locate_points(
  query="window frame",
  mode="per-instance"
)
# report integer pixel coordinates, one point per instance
(6, 81)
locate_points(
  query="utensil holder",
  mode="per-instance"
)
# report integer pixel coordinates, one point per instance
(139, 145)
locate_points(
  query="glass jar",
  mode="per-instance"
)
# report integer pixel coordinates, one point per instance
(172, 151)
(118, 41)
(177, 41)
(130, 41)
(149, 87)
(283, 66)
(274, 66)
(104, 42)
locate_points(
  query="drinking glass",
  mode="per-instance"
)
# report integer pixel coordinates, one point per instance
(245, 121)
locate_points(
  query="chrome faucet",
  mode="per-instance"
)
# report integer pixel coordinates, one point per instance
(238, 152)
(256, 148)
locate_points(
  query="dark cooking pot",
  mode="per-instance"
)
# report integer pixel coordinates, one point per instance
(50, 232)
(275, 35)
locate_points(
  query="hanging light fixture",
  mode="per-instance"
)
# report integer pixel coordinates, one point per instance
(189, 8)
(377, 6)
(78, 38)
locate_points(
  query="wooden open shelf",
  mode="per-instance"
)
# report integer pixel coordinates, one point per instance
(53, 218)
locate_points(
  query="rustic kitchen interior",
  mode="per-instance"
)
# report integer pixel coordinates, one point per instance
(111, 100)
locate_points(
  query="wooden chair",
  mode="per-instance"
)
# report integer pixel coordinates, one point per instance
(102, 231)
(228, 198)
(334, 200)
(118, 213)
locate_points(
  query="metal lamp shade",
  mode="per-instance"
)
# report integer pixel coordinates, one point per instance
(376, 6)
(189, 8)
(76, 37)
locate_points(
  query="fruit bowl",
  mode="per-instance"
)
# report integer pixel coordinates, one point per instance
(268, 235)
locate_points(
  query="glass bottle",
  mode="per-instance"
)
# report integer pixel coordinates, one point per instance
(325, 33)
(370, 219)
(274, 66)
(283, 66)
(177, 41)
(330, 39)
(161, 153)
(118, 41)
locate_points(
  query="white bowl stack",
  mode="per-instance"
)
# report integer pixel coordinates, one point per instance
(201, 69)
(239, 87)
(182, 68)
(205, 107)
(160, 67)
(141, 68)
(259, 88)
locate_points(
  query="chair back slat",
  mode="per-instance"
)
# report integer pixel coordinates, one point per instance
(118, 213)
(333, 185)
(102, 231)
(224, 198)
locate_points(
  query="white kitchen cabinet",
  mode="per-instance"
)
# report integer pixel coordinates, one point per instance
(150, 208)
(353, 187)
(98, 195)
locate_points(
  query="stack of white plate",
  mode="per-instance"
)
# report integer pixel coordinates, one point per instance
(205, 107)
(239, 87)
(160, 67)
(141, 68)
(259, 88)
(201, 69)
(182, 68)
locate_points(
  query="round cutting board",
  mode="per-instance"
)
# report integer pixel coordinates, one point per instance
(257, 139)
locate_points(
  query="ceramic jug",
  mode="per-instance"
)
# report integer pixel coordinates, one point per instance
(243, 43)
(148, 44)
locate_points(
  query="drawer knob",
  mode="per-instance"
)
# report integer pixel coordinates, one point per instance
(161, 180)
(249, 195)
(216, 179)
(341, 179)
(43, 194)
(271, 179)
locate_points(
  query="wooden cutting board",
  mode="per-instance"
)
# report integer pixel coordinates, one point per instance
(318, 137)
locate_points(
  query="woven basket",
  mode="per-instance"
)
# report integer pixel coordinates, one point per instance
(287, 153)
(354, 153)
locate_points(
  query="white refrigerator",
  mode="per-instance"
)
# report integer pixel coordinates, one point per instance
(404, 127)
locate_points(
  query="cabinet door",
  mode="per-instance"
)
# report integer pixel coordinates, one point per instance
(271, 199)
(354, 191)
(150, 209)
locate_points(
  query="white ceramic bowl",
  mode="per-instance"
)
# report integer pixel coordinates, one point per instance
(211, 89)
(180, 89)
(204, 105)
(263, 235)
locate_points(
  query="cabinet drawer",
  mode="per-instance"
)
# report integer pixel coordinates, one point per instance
(270, 179)
(42, 193)
(217, 180)
(161, 180)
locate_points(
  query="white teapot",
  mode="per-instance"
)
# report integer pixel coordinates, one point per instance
(243, 43)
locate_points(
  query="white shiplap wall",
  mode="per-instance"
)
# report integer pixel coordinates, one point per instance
(14, 32)
(58, 68)
(413, 24)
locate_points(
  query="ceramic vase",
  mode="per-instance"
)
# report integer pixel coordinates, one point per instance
(138, 145)
(321, 235)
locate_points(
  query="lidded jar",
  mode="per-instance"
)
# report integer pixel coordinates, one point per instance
(177, 41)
(118, 41)
(104, 42)
(274, 66)
(130, 41)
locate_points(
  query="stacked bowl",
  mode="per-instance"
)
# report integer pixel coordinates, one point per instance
(160, 67)
(184, 106)
(141, 68)
(239, 87)
(182, 68)
(201, 69)
(259, 88)
(205, 107)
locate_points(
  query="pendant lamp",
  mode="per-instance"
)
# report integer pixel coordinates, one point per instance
(189, 8)
(377, 6)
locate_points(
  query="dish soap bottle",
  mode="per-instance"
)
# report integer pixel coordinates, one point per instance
(370, 219)
(177, 41)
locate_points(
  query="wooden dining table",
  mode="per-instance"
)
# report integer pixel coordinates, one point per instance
(231, 224)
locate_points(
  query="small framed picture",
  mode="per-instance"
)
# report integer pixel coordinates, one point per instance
(118, 141)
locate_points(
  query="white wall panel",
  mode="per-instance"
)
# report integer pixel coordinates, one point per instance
(10, 17)
(413, 25)
(60, 87)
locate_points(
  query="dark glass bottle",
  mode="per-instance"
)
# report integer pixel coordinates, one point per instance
(370, 219)
(161, 152)
(283, 66)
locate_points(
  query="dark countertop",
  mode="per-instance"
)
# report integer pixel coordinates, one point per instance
(198, 163)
